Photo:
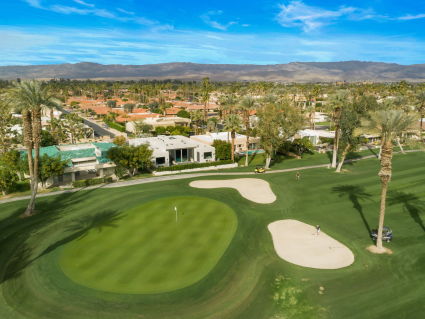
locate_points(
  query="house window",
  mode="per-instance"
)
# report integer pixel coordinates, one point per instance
(160, 160)
(207, 155)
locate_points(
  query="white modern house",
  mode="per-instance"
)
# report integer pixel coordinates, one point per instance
(240, 140)
(315, 135)
(176, 149)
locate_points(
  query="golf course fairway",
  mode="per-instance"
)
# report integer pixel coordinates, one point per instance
(160, 246)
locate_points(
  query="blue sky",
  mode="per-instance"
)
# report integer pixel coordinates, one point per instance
(259, 32)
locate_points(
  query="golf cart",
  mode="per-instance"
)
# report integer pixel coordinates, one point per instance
(387, 234)
(259, 169)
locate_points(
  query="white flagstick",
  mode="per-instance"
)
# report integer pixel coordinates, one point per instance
(175, 209)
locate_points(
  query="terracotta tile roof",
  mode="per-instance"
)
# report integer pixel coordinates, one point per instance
(140, 110)
(135, 117)
(172, 110)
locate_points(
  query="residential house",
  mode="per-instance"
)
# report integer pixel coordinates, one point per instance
(85, 161)
(176, 149)
(240, 140)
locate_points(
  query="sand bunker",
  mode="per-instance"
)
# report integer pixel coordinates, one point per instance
(253, 189)
(299, 244)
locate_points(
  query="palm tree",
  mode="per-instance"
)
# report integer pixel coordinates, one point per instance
(420, 107)
(196, 117)
(206, 88)
(30, 97)
(337, 102)
(6, 123)
(390, 124)
(247, 105)
(232, 123)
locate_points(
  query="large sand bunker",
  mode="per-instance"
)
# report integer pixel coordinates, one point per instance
(253, 189)
(299, 244)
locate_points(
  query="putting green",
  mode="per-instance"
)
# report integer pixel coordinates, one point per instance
(144, 250)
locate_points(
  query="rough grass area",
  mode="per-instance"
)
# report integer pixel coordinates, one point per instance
(249, 280)
(147, 250)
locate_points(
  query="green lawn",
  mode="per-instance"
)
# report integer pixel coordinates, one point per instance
(248, 280)
(147, 249)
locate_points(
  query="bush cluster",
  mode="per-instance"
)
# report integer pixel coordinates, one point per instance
(115, 125)
(192, 165)
(92, 181)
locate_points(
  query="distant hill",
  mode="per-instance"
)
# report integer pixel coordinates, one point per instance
(350, 71)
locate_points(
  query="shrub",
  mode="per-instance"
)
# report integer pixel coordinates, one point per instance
(115, 125)
(223, 149)
(192, 165)
(91, 182)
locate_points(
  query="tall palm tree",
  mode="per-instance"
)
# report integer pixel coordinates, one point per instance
(420, 107)
(30, 97)
(337, 102)
(390, 124)
(6, 124)
(232, 123)
(247, 104)
(206, 89)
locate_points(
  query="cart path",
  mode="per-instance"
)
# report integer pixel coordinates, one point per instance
(183, 176)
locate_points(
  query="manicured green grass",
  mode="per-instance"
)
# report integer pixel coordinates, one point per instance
(249, 280)
(148, 250)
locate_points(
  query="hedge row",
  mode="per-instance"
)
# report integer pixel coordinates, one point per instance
(115, 125)
(192, 165)
(93, 181)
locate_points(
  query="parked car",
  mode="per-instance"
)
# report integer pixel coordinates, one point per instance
(387, 234)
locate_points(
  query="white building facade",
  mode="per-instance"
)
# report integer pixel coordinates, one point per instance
(176, 149)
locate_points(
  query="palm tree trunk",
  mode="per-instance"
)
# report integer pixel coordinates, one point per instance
(335, 148)
(384, 188)
(247, 139)
(399, 145)
(385, 175)
(268, 160)
(28, 141)
(233, 148)
(343, 155)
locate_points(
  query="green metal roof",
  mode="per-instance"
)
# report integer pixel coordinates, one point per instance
(53, 151)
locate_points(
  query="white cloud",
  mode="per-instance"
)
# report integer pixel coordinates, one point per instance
(412, 17)
(125, 11)
(67, 45)
(308, 18)
(34, 3)
(207, 18)
(83, 3)
(90, 9)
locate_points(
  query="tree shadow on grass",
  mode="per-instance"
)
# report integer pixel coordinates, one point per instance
(16, 234)
(23, 255)
(80, 227)
(373, 151)
(355, 194)
(411, 204)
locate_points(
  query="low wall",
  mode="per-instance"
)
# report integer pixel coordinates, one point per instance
(199, 169)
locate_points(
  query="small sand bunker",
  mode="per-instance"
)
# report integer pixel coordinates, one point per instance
(253, 189)
(299, 244)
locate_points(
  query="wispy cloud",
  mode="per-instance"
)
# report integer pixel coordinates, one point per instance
(47, 45)
(412, 17)
(308, 18)
(91, 9)
(208, 19)
(125, 11)
(34, 3)
(83, 3)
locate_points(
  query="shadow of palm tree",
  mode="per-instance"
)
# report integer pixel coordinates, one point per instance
(355, 194)
(411, 203)
(21, 256)
(80, 227)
